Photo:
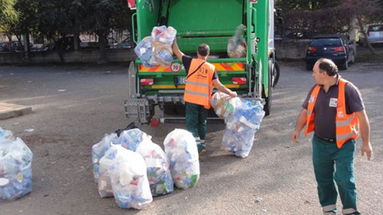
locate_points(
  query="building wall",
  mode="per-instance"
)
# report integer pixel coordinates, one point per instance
(82, 56)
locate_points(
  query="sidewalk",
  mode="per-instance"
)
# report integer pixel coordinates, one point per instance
(12, 110)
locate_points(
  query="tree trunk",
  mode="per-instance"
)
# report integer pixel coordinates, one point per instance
(9, 41)
(76, 41)
(372, 50)
(26, 46)
(103, 42)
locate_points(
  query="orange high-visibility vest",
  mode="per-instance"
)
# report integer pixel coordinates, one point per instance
(347, 125)
(198, 83)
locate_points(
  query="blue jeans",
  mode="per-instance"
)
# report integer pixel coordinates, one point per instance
(326, 156)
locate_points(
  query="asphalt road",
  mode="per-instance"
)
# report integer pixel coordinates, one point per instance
(74, 106)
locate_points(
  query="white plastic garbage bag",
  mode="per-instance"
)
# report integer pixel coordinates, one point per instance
(15, 167)
(129, 180)
(98, 151)
(144, 50)
(223, 104)
(182, 153)
(164, 34)
(158, 171)
(241, 127)
(157, 164)
(130, 139)
(156, 49)
(104, 183)
(236, 46)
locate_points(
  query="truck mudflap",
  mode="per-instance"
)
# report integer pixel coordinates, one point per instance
(138, 109)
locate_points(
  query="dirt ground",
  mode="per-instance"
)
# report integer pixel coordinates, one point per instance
(74, 106)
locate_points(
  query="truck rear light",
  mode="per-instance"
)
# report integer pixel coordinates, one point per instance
(146, 81)
(338, 49)
(311, 49)
(239, 80)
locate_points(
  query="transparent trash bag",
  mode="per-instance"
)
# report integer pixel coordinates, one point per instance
(104, 183)
(15, 167)
(129, 180)
(223, 104)
(242, 126)
(130, 139)
(236, 46)
(98, 151)
(182, 153)
(158, 171)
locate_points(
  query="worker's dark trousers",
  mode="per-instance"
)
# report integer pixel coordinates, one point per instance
(196, 119)
(326, 156)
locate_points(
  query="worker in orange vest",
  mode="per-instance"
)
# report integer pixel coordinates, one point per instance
(201, 78)
(334, 110)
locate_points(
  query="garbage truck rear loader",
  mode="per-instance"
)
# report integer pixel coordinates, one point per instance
(203, 21)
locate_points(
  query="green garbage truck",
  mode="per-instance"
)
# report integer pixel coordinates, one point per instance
(159, 89)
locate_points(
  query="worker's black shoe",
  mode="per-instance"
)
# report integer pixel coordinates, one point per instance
(201, 148)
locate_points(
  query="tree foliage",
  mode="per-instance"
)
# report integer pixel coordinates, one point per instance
(8, 15)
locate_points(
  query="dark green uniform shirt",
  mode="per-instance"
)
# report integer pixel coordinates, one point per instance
(325, 108)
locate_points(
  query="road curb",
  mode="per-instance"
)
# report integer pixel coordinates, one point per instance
(12, 110)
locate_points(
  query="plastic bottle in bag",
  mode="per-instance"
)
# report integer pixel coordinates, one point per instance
(129, 180)
(182, 153)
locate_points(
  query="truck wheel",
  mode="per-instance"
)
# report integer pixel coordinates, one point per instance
(276, 74)
(344, 65)
(268, 98)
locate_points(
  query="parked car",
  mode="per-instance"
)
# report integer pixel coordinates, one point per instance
(375, 33)
(335, 47)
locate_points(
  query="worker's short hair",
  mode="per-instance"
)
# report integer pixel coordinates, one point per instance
(203, 49)
(328, 66)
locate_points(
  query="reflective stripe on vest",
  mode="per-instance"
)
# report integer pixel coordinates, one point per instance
(346, 124)
(199, 85)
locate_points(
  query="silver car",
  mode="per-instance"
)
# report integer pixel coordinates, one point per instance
(375, 33)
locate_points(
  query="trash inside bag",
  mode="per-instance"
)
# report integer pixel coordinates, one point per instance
(182, 153)
(236, 46)
(129, 180)
(223, 104)
(157, 164)
(143, 50)
(158, 171)
(157, 49)
(241, 127)
(130, 139)
(15, 167)
(98, 151)
(104, 183)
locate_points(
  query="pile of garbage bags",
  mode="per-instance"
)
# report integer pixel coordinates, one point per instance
(236, 46)
(15, 167)
(181, 150)
(242, 117)
(157, 49)
(133, 169)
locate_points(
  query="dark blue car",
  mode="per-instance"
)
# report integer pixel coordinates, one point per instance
(335, 48)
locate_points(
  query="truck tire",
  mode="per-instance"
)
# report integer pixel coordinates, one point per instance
(276, 74)
(268, 98)
(344, 65)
